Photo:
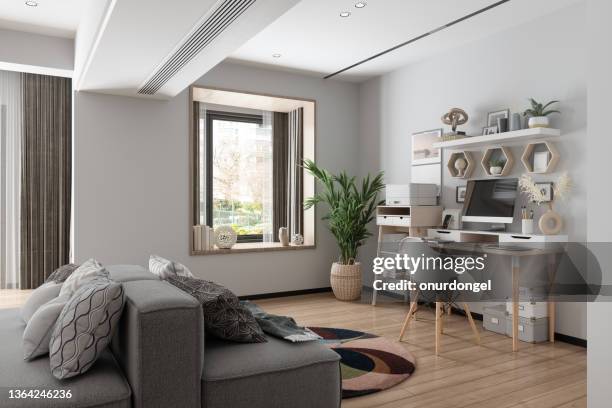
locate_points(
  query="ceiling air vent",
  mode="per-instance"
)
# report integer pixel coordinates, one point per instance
(211, 27)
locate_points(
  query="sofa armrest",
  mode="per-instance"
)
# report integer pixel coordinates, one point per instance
(160, 345)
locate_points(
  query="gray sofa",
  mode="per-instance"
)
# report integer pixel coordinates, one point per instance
(159, 358)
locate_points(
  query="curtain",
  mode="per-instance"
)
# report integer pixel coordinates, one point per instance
(10, 159)
(266, 132)
(295, 171)
(45, 176)
(280, 156)
(199, 115)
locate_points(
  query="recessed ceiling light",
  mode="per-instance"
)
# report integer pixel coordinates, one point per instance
(361, 4)
(345, 13)
(31, 3)
(276, 55)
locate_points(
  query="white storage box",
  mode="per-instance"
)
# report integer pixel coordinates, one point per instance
(411, 194)
(530, 310)
(529, 330)
(494, 319)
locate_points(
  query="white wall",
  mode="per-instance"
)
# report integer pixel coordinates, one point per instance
(499, 72)
(132, 180)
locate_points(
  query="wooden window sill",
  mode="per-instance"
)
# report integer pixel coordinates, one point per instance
(253, 247)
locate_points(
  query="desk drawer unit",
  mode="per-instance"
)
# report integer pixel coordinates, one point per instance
(393, 220)
(494, 319)
(449, 235)
(530, 330)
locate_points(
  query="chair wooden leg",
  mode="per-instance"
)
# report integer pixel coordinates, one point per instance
(438, 327)
(442, 315)
(411, 312)
(472, 324)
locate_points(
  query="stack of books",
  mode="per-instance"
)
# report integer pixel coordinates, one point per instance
(203, 238)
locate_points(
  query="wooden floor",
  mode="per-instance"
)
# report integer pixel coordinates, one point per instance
(463, 375)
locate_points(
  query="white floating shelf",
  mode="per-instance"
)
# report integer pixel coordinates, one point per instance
(499, 138)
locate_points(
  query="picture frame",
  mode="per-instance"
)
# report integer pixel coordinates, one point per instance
(460, 194)
(423, 151)
(540, 161)
(493, 116)
(547, 191)
(489, 130)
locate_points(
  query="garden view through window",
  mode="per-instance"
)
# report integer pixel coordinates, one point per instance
(240, 163)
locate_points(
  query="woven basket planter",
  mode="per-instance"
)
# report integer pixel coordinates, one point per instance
(346, 281)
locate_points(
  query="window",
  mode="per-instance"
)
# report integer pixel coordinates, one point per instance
(239, 174)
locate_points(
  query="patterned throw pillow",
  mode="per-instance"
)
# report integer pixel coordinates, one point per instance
(224, 316)
(40, 296)
(88, 271)
(85, 327)
(164, 268)
(37, 333)
(62, 273)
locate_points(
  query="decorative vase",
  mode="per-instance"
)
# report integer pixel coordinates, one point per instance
(225, 237)
(538, 121)
(495, 170)
(460, 166)
(346, 281)
(550, 223)
(283, 236)
(515, 122)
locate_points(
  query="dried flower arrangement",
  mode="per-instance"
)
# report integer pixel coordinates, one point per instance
(561, 188)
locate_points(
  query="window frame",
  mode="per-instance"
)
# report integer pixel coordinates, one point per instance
(211, 116)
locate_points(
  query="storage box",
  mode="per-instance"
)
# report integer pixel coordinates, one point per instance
(530, 330)
(530, 310)
(411, 194)
(494, 319)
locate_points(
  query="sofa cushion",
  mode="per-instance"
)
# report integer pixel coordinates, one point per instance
(129, 273)
(165, 268)
(88, 271)
(41, 295)
(103, 386)
(37, 333)
(307, 373)
(85, 327)
(62, 273)
(224, 315)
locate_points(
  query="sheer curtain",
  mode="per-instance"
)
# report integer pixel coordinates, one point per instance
(267, 187)
(10, 174)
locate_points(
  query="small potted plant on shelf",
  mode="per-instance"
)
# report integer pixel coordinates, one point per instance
(351, 208)
(496, 166)
(538, 114)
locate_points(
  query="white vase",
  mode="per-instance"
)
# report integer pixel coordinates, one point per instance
(538, 121)
(283, 236)
(495, 170)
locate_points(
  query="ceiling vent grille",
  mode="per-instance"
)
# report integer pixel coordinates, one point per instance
(215, 24)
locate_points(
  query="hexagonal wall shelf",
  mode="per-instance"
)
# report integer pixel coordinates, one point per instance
(469, 161)
(550, 152)
(496, 152)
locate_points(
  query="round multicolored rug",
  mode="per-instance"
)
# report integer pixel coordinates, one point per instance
(369, 363)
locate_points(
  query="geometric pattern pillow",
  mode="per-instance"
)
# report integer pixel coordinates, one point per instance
(37, 333)
(62, 273)
(165, 268)
(89, 270)
(85, 327)
(41, 295)
(224, 315)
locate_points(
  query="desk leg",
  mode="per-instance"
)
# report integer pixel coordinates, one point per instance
(515, 301)
(552, 268)
(378, 249)
(438, 325)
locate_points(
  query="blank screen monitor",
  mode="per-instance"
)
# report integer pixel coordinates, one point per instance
(490, 201)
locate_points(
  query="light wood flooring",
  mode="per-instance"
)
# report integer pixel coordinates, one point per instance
(463, 375)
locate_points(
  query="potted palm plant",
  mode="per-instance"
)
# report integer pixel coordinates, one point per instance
(538, 114)
(352, 207)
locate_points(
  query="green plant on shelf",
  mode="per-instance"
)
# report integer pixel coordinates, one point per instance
(497, 163)
(538, 109)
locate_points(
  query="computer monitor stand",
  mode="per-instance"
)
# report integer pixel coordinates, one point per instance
(496, 228)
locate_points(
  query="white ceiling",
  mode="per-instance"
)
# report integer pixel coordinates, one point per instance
(313, 38)
(58, 18)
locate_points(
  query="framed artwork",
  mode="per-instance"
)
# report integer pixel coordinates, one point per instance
(489, 130)
(547, 191)
(460, 194)
(500, 114)
(423, 151)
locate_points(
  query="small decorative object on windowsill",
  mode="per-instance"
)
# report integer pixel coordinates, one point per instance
(225, 237)
(496, 166)
(297, 239)
(538, 114)
(454, 118)
(550, 222)
(283, 236)
(352, 207)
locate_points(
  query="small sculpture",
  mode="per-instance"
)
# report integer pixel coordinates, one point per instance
(454, 118)
(460, 165)
(297, 239)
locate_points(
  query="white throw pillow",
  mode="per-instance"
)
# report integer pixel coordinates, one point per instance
(40, 296)
(87, 272)
(37, 333)
(164, 268)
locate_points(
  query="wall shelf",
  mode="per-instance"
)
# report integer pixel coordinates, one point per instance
(500, 152)
(499, 138)
(528, 156)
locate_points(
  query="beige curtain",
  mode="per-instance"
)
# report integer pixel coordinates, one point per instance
(280, 163)
(45, 176)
